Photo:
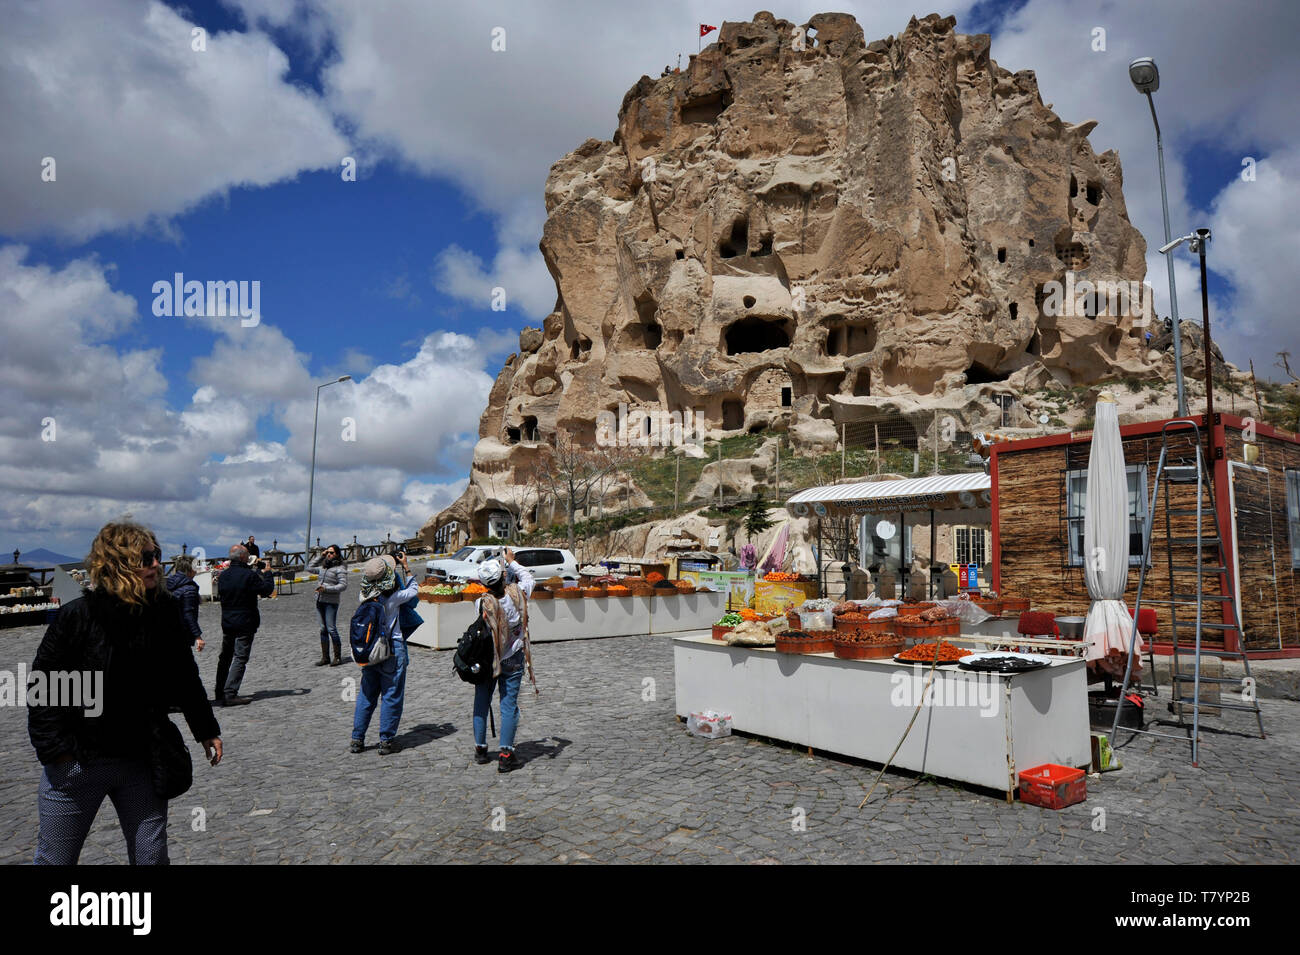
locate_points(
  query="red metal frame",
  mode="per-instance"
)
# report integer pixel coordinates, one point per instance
(1219, 465)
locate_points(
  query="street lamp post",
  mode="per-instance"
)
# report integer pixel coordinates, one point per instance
(311, 485)
(1146, 78)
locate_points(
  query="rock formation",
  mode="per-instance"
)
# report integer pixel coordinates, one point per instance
(803, 228)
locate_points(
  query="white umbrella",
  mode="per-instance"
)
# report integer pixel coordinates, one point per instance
(1105, 540)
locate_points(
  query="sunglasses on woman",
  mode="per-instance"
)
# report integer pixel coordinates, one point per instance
(150, 557)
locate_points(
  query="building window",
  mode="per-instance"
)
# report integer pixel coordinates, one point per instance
(1076, 493)
(1293, 515)
(970, 545)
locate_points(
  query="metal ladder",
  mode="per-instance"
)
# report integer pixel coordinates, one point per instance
(1188, 474)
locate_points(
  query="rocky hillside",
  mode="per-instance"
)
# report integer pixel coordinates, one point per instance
(803, 229)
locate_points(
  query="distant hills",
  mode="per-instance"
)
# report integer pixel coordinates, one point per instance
(42, 557)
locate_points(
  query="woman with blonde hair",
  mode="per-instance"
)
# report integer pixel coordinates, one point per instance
(123, 646)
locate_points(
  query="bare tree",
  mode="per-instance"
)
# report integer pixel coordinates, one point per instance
(573, 469)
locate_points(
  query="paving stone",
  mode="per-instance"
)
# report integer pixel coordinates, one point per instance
(608, 777)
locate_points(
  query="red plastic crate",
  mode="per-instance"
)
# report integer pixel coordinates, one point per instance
(1052, 786)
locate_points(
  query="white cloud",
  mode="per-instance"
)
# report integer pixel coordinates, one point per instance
(201, 473)
(141, 126)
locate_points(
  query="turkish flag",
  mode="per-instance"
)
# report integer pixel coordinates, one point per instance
(705, 29)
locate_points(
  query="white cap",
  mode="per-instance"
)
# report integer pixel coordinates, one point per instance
(490, 571)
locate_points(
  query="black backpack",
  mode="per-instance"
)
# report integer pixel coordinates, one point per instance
(474, 652)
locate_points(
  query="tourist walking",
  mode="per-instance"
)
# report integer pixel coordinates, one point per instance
(505, 608)
(333, 581)
(384, 684)
(116, 740)
(239, 586)
(181, 585)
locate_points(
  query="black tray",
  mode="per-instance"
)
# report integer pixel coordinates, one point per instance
(1007, 664)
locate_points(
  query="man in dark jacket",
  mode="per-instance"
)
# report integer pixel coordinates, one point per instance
(181, 585)
(238, 586)
(251, 546)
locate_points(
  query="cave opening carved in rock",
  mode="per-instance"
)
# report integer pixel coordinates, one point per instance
(736, 241)
(978, 374)
(733, 415)
(755, 334)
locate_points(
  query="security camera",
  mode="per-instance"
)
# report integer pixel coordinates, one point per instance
(1174, 243)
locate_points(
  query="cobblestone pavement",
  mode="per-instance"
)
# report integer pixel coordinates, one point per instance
(611, 777)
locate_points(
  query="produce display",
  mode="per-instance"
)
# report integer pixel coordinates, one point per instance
(924, 653)
(865, 645)
(439, 593)
(929, 615)
(474, 588)
(554, 582)
(781, 576)
(593, 591)
(730, 620)
(654, 576)
(618, 590)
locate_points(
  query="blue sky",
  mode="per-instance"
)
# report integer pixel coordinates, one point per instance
(224, 164)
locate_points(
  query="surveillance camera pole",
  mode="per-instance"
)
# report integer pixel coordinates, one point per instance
(1199, 243)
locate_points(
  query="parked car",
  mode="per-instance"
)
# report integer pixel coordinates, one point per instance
(543, 562)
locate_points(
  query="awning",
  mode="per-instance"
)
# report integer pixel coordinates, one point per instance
(940, 492)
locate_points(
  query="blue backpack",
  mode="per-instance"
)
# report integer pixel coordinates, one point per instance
(370, 642)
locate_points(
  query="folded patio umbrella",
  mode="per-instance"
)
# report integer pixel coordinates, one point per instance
(1105, 543)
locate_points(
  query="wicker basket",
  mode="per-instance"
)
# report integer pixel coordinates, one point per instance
(850, 648)
(642, 590)
(442, 598)
(818, 641)
(924, 630)
(720, 633)
(470, 597)
(568, 593)
(541, 593)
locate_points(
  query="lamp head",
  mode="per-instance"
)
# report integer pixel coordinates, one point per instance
(1145, 76)
(345, 378)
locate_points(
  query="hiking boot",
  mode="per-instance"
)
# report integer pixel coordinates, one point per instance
(507, 761)
(324, 658)
(356, 746)
(481, 755)
(337, 661)
(388, 746)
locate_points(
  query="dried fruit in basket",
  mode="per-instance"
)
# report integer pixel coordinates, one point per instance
(617, 590)
(778, 575)
(654, 576)
(474, 588)
(846, 606)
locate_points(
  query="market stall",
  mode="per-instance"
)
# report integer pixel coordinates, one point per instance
(883, 515)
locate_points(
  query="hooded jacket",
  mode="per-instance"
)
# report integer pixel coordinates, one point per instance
(187, 592)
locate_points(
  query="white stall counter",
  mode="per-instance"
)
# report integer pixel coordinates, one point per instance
(977, 728)
(584, 619)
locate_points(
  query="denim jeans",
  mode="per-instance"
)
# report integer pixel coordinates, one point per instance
(69, 798)
(236, 648)
(512, 675)
(385, 684)
(329, 629)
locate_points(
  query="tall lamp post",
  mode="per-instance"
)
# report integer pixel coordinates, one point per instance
(311, 486)
(1146, 78)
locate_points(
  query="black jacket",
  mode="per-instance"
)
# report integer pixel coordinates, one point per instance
(83, 637)
(187, 592)
(239, 586)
